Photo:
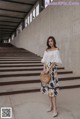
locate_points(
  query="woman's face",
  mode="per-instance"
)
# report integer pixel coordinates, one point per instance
(50, 42)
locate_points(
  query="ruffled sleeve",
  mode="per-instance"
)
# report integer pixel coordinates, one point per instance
(56, 57)
(44, 57)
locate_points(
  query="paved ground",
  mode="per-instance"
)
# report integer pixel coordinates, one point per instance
(34, 105)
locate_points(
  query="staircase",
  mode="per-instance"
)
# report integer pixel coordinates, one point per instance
(20, 70)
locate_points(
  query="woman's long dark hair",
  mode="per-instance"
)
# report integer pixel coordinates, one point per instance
(48, 46)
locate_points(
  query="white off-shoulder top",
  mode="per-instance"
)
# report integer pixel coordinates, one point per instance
(51, 56)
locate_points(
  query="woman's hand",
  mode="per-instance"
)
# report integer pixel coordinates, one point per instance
(46, 70)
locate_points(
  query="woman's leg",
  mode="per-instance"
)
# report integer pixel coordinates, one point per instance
(55, 106)
(51, 104)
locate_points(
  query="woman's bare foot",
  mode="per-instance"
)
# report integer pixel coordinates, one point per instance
(50, 109)
(55, 113)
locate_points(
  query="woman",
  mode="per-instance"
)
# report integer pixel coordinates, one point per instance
(51, 60)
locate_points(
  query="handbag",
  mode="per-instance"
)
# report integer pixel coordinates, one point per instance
(45, 77)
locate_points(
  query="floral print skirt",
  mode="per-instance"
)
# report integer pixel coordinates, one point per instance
(51, 88)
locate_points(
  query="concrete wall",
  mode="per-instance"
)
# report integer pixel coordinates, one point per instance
(63, 22)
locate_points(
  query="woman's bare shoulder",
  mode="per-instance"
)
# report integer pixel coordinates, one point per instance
(53, 49)
(56, 48)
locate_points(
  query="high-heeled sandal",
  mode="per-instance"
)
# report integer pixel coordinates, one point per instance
(55, 114)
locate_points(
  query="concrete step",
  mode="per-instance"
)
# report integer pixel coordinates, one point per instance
(20, 72)
(35, 58)
(33, 87)
(18, 62)
(27, 73)
(12, 63)
(70, 84)
(66, 77)
(21, 65)
(31, 79)
(19, 57)
(10, 50)
(19, 87)
(24, 69)
(17, 68)
(16, 52)
(33, 71)
(13, 50)
(18, 79)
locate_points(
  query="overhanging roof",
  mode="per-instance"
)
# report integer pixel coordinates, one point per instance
(12, 12)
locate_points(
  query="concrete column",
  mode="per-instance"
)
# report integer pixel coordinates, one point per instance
(41, 5)
(23, 24)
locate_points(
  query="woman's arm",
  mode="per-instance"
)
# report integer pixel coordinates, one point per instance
(53, 64)
(44, 66)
